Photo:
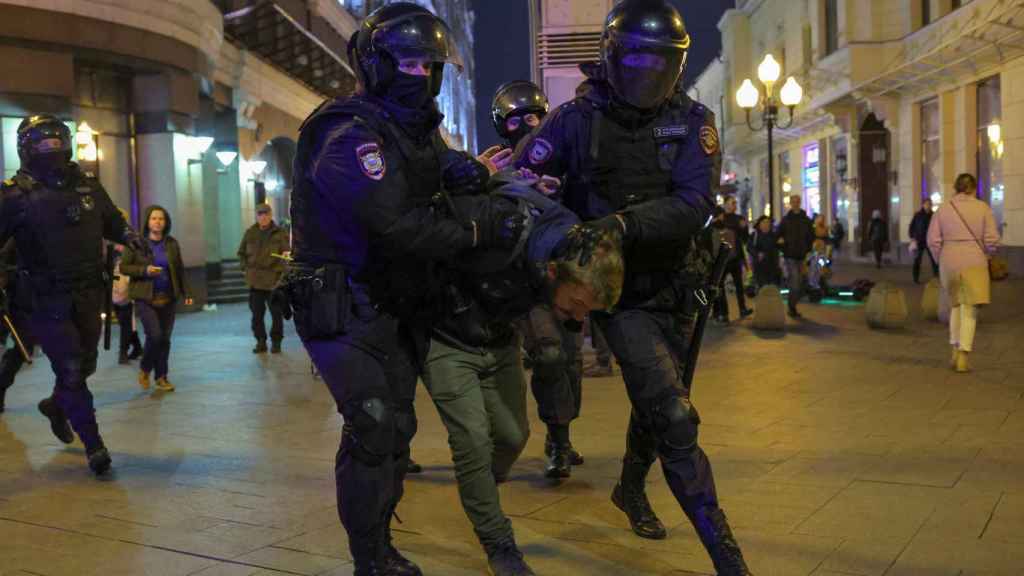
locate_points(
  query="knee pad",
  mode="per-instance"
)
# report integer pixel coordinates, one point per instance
(675, 422)
(370, 430)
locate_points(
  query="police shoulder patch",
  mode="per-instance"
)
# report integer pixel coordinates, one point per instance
(540, 151)
(371, 160)
(709, 139)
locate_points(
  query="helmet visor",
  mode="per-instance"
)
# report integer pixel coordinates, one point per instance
(644, 75)
(418, 36)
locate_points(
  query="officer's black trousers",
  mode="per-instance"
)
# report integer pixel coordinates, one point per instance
(68, 329)
(557, 386)
(651, 349)
(372, 365)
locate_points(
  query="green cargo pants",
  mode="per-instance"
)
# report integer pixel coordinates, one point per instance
(482, 401)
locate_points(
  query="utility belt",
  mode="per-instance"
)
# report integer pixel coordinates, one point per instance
(689, 287)
(321, 298)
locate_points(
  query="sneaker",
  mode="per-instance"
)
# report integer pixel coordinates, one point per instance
(164, 385)
(559, 463)
(99, 460)
(58, 422)
(598, 371)
(505, 559)
(575, 458)
(144, 380)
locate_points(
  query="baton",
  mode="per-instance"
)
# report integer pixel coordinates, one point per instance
(17, 338)
(717, 274)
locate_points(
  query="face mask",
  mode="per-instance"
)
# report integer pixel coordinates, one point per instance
(49, 167)
(410, 91)
(514, 136)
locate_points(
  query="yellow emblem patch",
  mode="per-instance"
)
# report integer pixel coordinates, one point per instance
(709, 140)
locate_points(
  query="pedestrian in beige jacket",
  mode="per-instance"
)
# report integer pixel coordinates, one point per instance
(963, 235)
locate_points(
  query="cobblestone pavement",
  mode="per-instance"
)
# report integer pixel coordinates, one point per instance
(838, 451)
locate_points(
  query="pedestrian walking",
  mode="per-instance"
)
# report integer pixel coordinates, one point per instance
(158, 283)
(734, 230)
(765, 254)
(838, 235)
(963, 234)
(919, 240)
(262, 256)
(796, 236)
(878, 235)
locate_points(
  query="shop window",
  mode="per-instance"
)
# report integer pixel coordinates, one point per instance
(931, 152)
(991, 146)
(812, 179)
(926, 12)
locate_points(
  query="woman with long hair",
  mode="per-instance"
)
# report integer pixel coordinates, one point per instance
(963, 235)
(158, 283)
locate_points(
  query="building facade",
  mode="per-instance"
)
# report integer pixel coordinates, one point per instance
(900, 97)
(194, 105)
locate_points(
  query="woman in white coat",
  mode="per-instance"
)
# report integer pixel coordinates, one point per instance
(963, 235)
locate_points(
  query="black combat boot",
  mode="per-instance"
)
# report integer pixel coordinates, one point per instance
(715, 534)
(393, 563)
(99, 459)
(630, 496)
(505, 559)
(558, 451)
(575, 458)
(58, 422)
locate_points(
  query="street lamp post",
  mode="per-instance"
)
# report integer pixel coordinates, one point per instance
(749, 97)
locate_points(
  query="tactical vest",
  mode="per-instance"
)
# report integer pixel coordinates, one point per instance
(60, 233)
(615, 166)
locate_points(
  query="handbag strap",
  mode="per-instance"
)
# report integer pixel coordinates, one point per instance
(969, 231)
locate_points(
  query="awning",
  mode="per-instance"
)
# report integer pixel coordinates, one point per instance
(266, 29)
(973, 39)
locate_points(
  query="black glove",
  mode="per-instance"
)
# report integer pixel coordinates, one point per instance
(462, 174)
(502, 230)
(134, 242)
(582, 239)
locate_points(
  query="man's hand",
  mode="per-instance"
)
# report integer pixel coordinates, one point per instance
(463, 174)
(496, 158)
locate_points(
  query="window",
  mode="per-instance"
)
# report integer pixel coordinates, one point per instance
(959, 3)
(812, 179)
(931, 152)
(831, 26)
(991, 146)
(926, 12)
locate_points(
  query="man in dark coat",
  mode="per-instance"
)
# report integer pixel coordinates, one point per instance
(919, 234)
(796, 235)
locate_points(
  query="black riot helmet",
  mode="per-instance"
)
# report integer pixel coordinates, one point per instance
(44, 145)
(643, 50)
(517, 98)
(399, 31)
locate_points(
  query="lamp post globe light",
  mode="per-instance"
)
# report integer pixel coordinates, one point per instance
(748, 97)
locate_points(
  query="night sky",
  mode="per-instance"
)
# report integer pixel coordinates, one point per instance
(503, 46)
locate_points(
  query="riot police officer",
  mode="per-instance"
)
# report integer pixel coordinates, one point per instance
(59, 217)
(368, 244)
(639, 157)
(553, 350)
(517, 108)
